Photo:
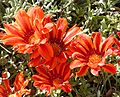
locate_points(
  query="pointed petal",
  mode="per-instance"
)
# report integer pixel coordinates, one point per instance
(52, 63)
(61, 26)
(95, 71)
(35, 13)
(12, 40)
(83, 70)
(66, 88)
(118, 33)
(2, 91)
(107, 43)
(35, 62)
(117, 42)
(78, 55)
(46, 51)
(42, 71)
(6, 82)
(19, 80)
(24, 21)
(46, 20)
(75, 64)
(62, 58)
(12, 30)
(97, 41)
(110, 68)
(2, 35)
(71, 33)
(35, 54)
(39, 78)
(66, 73)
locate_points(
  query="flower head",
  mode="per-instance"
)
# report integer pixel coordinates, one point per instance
(89, 52)
(27, 31)
(19, 86)
(53, 79)
(55, 51)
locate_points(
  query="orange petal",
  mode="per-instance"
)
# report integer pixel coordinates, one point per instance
(46, 51)
(24, 21)
(97, 41)
(11, 29)
(2, 35)
(66, 73)
(66, 88)
(6, 82)
(71, 33)
(107, 43)
(86, 41)
(35, 62)
(2, 90)
(39, 78)
(12, 40)
(19, 80)
(95, 71)
(52, 63)
(110, 68)
(61, 26)
(35, 13)
(117, 42)
(42, 71)
(78, 55)
(118, 33)
(83, 70)
(75, 64)
(35, 54)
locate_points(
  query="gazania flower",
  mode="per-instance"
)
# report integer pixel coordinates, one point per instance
(89, 52)
(19, 86)
(53, 79)
(27, 31)
(54, 52)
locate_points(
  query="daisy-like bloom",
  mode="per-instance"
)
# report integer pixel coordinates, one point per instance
(89, 52)
(27, 31)
(54, 52)
(53, 79)
(19, 86)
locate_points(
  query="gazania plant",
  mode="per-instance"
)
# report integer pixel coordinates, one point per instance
(58, 56)
(19, 88)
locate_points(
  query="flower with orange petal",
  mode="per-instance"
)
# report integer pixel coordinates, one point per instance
(53, 79)
(89, 52)
(27, 31)
(19, 86)
(54, 52)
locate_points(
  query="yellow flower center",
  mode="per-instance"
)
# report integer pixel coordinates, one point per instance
(33, 39)
(57, 82)
(94, 59)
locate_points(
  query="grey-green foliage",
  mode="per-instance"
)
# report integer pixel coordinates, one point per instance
(95, 15)
(11, 7)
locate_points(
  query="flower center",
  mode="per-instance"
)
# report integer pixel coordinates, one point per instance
(33, 40)
(94, 59)
(56, 49)
(57, 82)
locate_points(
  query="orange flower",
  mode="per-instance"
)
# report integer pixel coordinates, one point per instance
(91, 53)
(19, 86)
(27, 31)
(54, 79)
(54, 52)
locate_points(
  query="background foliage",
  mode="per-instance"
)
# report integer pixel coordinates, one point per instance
(90, 15)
